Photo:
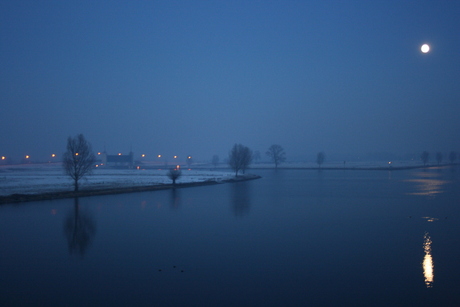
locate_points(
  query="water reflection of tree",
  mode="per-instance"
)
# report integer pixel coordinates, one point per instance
(79, 229)
(175, 199)
(241, 198)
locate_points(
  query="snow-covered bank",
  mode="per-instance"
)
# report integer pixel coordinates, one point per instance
(50, 178)
(341, 164)
(337, 165)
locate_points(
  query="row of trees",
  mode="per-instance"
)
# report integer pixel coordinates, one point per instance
(79, 159)
(241, 156)
(277, 155)
(425, 157)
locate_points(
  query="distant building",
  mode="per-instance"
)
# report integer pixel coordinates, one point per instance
(118, 160)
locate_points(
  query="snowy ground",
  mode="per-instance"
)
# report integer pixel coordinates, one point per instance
(340, 164)
(41, 178)
(50, 177)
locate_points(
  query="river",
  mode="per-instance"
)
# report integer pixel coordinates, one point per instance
(291, 238)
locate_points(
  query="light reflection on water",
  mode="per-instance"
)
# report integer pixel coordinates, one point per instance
(428, 266)
(430, 219)
(428, 184)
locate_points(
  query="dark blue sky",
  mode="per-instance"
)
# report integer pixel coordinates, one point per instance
(195, 77)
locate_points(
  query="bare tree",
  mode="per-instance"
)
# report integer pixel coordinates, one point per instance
(425, 157)
(276, 154)
(452, 157)
(215, 161)
(239, 158)
(320, 158)
(79, 159)
(439, 157)
(173, 174)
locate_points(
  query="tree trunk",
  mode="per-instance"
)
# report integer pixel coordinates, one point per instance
(75, 185)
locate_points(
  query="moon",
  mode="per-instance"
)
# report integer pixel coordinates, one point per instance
(425, 48)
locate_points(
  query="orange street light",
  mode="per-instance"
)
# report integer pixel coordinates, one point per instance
(175, 157)
(119, 153)
(76, 153)
(143, 156)
(159, 156)
(27, 157)
(53, 155)
(3, 157)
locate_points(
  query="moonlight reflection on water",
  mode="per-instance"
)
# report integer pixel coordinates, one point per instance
(428, 184)
(428, 267)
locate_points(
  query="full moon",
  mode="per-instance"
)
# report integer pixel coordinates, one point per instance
(425, 48)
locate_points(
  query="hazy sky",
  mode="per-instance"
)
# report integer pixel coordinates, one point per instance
(195, 77)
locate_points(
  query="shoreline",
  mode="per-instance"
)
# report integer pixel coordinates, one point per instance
(360, 168)
(19, 198)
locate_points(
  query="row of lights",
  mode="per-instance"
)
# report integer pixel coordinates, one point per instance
(28, 157)
(54, 155)
(144, 155)
(159, 156)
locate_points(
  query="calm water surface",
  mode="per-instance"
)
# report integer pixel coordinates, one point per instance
(292, 238)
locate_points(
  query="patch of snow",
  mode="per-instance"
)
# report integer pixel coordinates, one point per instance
(43, 178)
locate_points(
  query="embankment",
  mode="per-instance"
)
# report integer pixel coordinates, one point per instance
(17, 198)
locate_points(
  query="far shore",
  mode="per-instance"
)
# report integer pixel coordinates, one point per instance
(335, 168)
(362, 168)
(18, 198)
